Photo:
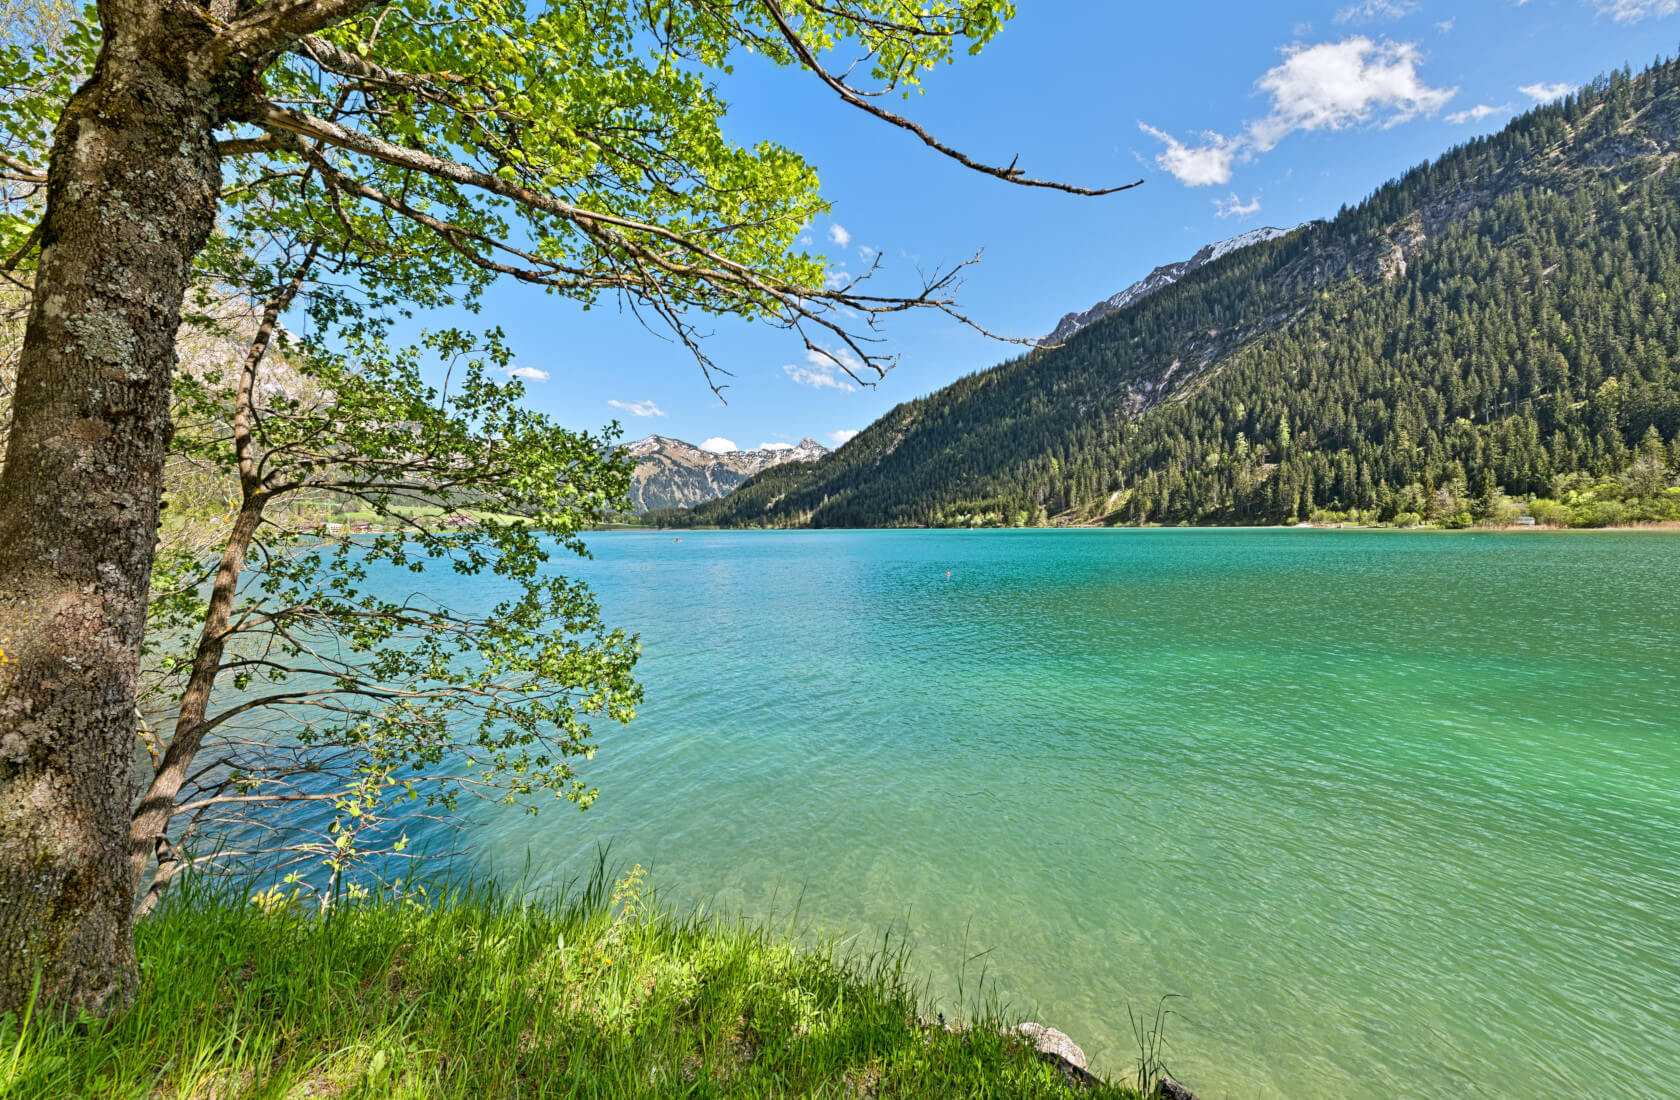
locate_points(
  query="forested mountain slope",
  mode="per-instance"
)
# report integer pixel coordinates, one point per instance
(1494, 319)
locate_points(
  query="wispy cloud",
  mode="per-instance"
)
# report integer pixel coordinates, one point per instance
(529, 374)
(1234, 207)
(1372, 11)
(1330, 86)
(838, 234)
(1477, 113)
(718, 445)
(1631, 11)
(1543, 92)
(843, 436)
(822, 370)
(638, 408)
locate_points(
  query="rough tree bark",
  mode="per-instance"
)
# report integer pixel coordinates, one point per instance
(131, 198)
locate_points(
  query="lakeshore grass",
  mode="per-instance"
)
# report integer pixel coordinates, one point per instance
(478, 994)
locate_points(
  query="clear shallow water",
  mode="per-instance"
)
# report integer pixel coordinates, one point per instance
(1392, 813)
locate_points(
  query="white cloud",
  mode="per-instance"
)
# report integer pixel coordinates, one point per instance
(1631, 11)
(1330, 86)
(719, 445)
(837, 278)
(843, 436)
(1445, 26)
(1234, 207)
(822, 370)
(1477, 113)
(1373, 10)
(638, 408)
(867, 253)
(1544, 93)
(775, 446)
(837, 233)
(529, 374)
(1194, 167)
(1335, 85)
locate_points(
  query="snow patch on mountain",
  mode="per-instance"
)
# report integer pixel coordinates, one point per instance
(1162, 277)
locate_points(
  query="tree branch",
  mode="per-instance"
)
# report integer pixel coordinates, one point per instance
(276, 25)
(851, 95)
(789, 304)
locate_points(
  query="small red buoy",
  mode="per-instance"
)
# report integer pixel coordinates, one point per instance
(947, 574)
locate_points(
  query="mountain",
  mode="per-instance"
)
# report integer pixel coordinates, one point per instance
(1504, 318)
(1161, 277)
(672, 474)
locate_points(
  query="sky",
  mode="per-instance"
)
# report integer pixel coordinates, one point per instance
(1235, 116)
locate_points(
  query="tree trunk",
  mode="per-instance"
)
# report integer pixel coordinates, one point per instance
(149, 828)
(131, 198)
(150, 825)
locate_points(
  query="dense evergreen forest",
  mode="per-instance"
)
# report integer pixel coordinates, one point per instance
(1500, 323)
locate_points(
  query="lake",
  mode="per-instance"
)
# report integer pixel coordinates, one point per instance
(1387, 813)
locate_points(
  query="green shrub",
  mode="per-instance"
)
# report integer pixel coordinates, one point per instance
(1550, 512)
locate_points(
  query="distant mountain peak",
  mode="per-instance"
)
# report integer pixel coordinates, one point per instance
(1162, 277)
(672, 473)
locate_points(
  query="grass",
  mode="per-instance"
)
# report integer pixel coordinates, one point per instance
(597, 994)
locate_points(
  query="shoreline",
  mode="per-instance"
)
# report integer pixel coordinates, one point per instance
(1665, 526)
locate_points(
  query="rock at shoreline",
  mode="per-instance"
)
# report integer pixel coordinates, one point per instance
(1055, 1046)
(1052, 1042)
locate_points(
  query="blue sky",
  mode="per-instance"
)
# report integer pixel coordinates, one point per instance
(1236, 115)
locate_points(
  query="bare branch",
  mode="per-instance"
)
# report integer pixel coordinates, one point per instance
(271, 27)
(237, 147)
(22, 170)
(344, 63)
(855, 98)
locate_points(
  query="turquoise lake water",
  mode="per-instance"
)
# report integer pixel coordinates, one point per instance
(1391, 814)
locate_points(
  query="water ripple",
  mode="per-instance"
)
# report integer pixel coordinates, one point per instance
(1394, 813)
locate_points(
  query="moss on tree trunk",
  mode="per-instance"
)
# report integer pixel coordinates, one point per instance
(131, 197)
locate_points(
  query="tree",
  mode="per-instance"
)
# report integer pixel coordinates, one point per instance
(346, 702)
(576, 147)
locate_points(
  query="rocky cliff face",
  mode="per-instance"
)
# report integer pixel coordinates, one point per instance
(1162, 277)
(673, 474)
